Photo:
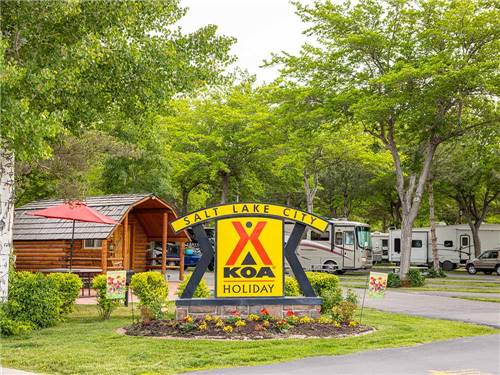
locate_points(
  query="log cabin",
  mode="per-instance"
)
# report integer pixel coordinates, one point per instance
(42, 244)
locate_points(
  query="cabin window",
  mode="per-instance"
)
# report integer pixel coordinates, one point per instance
(416, 243)
(448, 243)
(315, 236)
(465, 241)
(92, 244)
(348, 238)
(385, 243)
(397, 245)
(339, 239)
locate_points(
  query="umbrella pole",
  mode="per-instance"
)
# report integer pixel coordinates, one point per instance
(72, 247)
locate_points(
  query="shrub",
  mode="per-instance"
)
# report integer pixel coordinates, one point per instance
(343, 312)
(292, 288)
(331, 298)
(33, 300)
(68, 286)
(415, 277)
(432, 274)
(105, 305)
(393, 280)
(352, 297)
(10, 327)
(152, 290)
(321, 281)
(202, 290)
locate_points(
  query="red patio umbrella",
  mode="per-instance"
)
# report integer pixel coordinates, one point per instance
(75, 211)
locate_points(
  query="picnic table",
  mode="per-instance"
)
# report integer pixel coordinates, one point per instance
(86, 274)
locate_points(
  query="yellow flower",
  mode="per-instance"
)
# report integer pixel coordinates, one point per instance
(203, 326)
(266, 324)
(352, 323)
(305, 320)
(240, 323)
(337, 324)
(219, 323)
(208, 318)
(228, 329)
(188, 319)
(324, 320)
(253, 317)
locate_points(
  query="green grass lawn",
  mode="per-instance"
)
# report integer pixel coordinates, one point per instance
(85, 345)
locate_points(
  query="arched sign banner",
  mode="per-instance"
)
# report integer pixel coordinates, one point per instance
(250, 249)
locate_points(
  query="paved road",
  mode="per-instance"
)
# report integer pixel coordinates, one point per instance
(9, 371)
(485, 313)
(471, 356)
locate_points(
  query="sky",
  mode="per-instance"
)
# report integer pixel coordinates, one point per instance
(260, 27)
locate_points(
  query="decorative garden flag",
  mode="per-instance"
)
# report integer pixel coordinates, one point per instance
(377, 285)
(116, 284)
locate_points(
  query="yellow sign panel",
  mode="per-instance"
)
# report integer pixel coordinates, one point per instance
(252, 209)
(249, 257)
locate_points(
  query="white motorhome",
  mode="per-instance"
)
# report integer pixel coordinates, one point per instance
(380, 246)
(345, 245)
(454, 243)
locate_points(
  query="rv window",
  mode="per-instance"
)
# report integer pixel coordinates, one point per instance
(338, 239)
(385, 243)
(448, 243)
(494, 255)
(315, 236)
(416, 243)
(348, 238)
(465, 241)
(397, 245)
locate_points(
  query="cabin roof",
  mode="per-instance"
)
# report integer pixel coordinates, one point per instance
(34, 228)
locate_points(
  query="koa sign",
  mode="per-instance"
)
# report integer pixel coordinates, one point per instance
(250, 250)
(249, 257)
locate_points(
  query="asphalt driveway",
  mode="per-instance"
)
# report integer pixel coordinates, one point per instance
(469, 356)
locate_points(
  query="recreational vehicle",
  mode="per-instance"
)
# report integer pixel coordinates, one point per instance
(454, 243)
(380, 246)
(345, 245)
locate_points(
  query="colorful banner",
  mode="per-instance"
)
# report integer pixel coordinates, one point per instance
(377, 285)
(116, 284)
(249, 261)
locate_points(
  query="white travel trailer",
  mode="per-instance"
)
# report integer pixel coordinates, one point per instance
(380, 246)
(345, 245)
(454, 243)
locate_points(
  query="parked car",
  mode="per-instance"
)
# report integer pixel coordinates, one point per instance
(488, 262)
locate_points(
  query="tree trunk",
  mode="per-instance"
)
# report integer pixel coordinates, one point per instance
(6, 217)
(432, 219)
(346, 204)
(185, 200)
(410, 197)
(225, 187)
(475, 238)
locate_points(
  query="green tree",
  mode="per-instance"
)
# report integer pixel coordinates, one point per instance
(69, 66)
(413, 73)
(468, 171)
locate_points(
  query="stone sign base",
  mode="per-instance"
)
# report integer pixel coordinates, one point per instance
(227, 307)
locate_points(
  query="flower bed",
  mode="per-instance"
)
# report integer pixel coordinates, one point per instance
(261, 326)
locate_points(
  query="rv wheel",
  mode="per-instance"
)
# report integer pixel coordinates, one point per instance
(497, 270)
(447, 265)
(471, 269)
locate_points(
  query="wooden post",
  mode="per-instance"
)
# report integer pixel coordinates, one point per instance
(181, 260)
(126, 244)
(164, 244)
(104, 256)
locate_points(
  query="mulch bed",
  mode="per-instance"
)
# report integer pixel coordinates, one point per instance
(251, 331)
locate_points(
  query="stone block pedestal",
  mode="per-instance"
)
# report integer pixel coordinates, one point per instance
(226, 307)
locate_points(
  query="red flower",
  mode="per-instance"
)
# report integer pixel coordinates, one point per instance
(235, 313)
(264, 312)
(290, 313)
